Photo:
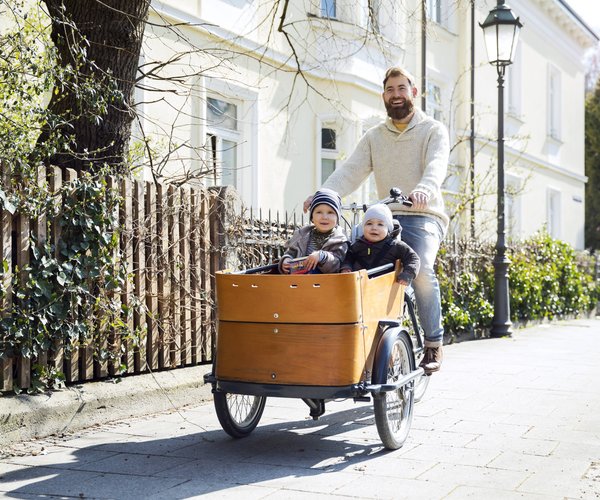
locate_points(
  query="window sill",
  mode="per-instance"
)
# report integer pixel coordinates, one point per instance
(516, 116)
(555, 141)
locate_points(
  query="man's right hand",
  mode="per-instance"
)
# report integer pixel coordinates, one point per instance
(307, 203)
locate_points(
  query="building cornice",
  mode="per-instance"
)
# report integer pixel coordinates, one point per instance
(266, 53)
(570, 21)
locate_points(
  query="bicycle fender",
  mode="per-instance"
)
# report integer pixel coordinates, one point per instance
(383, 351)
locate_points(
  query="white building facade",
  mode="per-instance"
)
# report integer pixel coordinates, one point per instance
(272, 101)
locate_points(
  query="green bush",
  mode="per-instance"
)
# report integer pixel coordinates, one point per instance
(547, 279)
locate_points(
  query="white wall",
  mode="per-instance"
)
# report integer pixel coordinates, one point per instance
(280, 151)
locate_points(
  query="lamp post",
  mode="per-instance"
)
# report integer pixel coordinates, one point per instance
(501, 33)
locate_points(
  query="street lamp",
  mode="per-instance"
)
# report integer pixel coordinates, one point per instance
(501, 32)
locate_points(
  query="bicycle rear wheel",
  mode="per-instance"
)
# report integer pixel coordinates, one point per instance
(411, 323)
(238, 414)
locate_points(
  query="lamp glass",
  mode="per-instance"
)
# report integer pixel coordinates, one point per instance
(500, 42)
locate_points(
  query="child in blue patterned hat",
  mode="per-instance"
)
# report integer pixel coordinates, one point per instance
(322, 242)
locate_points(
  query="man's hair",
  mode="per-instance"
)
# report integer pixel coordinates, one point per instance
(398, 71)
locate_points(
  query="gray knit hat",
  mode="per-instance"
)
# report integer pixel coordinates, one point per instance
(328, 197)
(382, 212)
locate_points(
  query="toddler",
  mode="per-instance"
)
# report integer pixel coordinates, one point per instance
(378, 246)
(322, 242)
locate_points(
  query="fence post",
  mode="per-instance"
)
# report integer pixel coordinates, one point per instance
(6, 363)
(126, 217)
(174, 263)
(72, 359)
(151, 277)
(139, 279)
(163, 281)
(184, 274)
(206, 279)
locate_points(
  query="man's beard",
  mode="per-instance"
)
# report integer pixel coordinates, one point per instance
(399, 112)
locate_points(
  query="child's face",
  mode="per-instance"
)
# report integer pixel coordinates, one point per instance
(375, 230)
(324, 218)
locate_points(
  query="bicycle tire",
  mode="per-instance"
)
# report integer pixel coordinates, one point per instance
(394, 410)
(412, 325)
(238, 414)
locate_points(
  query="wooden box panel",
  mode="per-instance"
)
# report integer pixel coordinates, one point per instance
(298, 354)
(382, 298)
(305, 298)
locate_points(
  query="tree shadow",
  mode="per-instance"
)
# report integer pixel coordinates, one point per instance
(277, 455)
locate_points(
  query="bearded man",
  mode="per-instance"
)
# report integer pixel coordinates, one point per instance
(409, 150)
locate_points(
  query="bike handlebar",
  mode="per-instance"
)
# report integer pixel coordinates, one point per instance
(396, 196)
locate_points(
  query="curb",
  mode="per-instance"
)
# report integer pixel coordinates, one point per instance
(27, 417)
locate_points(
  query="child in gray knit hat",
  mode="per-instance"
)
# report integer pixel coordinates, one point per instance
(322, 242)
(379, 246)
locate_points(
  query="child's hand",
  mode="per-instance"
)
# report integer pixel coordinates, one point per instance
(402, 281)
(346, 270)
(312, 260)
(285, 265)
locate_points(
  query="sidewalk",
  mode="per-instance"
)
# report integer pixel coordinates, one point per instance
(505, 419)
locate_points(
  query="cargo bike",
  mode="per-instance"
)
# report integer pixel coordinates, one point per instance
(317, 337)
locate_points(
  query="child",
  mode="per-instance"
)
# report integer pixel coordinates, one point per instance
(378, 246)
(323, 243)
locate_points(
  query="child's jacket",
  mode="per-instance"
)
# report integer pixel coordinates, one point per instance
(363, 254)
(335, 248)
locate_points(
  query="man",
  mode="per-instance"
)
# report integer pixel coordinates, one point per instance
(409, 150)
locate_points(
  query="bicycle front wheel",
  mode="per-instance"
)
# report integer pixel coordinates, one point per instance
(394, 409)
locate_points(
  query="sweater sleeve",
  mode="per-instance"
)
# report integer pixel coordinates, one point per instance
(354, 171)
(334, 250)
(292, 249)
(437, 152)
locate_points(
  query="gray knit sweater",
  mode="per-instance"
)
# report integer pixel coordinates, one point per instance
(334, 249)
(415, 159)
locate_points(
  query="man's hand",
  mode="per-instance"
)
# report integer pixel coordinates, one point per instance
(307, 203)
(419, 199)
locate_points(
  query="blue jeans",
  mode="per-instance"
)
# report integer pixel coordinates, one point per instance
(424, 235)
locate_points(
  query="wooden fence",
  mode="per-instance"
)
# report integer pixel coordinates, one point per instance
(169, 241)
(172, 240)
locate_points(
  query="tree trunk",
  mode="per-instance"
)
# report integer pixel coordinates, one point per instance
(110, 33)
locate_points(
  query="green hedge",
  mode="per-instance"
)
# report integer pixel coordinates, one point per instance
(548, 279)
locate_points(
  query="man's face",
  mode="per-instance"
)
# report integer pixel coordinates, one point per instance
(398, 97)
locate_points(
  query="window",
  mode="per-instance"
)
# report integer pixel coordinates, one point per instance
(222, 141)
(554, 103)
(554, 213)
(513, 84)
(328, 8)
(434, 101)
(435, 10)
(329, 151)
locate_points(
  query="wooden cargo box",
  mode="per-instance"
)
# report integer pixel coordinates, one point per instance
(310, 329)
